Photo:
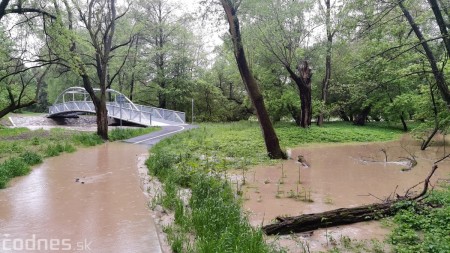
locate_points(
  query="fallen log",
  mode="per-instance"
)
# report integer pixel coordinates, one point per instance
(343, 216)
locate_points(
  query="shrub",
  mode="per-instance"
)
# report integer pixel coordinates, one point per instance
(3, 181)
(87, 139)
(127, 133)
(31, 158)
(14, 167)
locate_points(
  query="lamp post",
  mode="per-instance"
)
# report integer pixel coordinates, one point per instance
(192, 112)
(120, 100)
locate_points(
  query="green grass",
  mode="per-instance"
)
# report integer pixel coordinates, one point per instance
(336, 132)
(193, 159)
(21, 148)
(127, 133)
(214, 215)
(234, 145)
(423, 228)
(11, 132)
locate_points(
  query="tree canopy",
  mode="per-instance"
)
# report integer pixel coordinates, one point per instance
(313, 60)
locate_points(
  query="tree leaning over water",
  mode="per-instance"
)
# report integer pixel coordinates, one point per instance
(270, 137)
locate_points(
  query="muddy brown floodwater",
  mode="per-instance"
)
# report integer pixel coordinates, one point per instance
(87, 200)
(343, 175)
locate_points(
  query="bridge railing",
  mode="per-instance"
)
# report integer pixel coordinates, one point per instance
(134, 113)
(159, 113)
(85, 106)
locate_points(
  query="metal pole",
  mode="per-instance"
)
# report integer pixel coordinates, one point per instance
(120, 115)
(192, 112)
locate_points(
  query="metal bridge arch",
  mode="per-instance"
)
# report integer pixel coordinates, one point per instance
(76, 100)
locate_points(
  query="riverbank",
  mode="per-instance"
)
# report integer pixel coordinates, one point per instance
(201, 159)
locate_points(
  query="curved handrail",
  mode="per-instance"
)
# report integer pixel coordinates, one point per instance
(82, 90)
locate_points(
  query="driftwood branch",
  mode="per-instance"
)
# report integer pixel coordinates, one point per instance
(345, 216)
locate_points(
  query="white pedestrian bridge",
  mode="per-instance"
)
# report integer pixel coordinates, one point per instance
(76, 100)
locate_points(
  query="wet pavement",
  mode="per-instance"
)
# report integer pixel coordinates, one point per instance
(152, 138)
(88, 201)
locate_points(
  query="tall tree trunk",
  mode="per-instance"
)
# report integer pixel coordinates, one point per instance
(132, 87)
(405, 127)
(133, 75)
(445, 6)
(326, 79)
(102, 120)
(162, 98)
(441, 23)
(306, 107)
(305, 94)
(3, 6)
(436, 120)
(270, 137)
(437, 73)
(99, 104)
(303, 82)
(343, 115)
(360, 119)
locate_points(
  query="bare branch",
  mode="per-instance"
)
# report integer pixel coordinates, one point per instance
(29, 10)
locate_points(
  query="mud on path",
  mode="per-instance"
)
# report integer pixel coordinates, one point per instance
(343, 175)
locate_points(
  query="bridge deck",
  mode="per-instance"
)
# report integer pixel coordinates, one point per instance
(138, 114)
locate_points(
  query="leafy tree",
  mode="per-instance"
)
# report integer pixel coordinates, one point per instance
(437, 72)
(19, 84)
(282, 30)
(91, 60)
(20, 7)
(168, 53)
(332, 14)
(270, 138)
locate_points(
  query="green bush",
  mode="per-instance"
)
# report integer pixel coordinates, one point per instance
(3, 181)
(160, 163)
(87, 139)
(14, 167)
(217, 219)
(422, 228)
(31, 158)
(56, 149)
(35, 141)
(127, 133)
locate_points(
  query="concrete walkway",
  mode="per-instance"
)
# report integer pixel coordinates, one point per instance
(152, 138)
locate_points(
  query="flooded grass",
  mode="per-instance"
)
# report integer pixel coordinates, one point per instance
(239, 144)
(214, 219)
(25, 148)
